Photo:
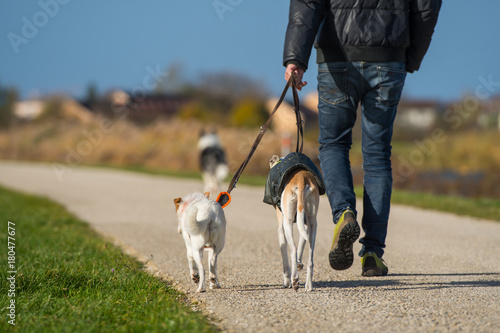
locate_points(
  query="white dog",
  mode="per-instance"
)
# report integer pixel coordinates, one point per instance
(299, 202)
(202, 224)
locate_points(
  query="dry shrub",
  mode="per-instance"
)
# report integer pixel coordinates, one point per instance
(164, 144)
(468, 152)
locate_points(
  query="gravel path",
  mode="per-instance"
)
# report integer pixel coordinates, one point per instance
(444, 270)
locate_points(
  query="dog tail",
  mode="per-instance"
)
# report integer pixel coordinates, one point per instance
(301, 213)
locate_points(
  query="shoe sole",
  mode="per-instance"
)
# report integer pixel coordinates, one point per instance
(374, 272)
(342, 257)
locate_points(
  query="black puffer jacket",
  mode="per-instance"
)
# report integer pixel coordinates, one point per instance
(360, 30)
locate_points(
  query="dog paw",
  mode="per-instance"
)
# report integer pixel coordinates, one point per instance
(287, 283)
(200, 290)
(214, 284)
(295, 284)
(300, 266)
(195, 278)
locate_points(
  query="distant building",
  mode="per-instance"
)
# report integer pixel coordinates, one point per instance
(151, 107)
(418, 114)
(489, 116)
(28, 110)
(284, 119)
(70, 109)
(143, 108)
(285, 122)
(119, 98)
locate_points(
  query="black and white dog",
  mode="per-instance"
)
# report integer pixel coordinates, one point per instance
(212, 161)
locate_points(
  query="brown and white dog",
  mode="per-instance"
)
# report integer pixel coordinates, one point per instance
(299, 202)
(202, 224)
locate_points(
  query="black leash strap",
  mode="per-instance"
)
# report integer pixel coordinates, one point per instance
(300, 131)
(263, 129)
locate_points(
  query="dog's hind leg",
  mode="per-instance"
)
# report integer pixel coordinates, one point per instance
(302, 222)
(212, 267)
(288, 227)
(312, 228)
(310, 263)
(193, 268)
(300, 252)
(284, 250)
(198, 258)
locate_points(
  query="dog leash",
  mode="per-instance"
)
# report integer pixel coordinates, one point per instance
(224, 198)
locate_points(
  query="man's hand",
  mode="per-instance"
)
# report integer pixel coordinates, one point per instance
(299, 73)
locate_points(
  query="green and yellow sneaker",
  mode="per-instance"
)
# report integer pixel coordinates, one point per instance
(344, 235)
(373, 265)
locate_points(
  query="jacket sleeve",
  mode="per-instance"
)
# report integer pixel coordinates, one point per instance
(304, 20)
(423, 19)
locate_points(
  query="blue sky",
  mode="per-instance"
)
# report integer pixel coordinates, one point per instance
(62, 45)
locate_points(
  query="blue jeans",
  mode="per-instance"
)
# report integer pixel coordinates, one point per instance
(342, 86)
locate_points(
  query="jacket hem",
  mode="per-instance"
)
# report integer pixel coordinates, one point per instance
(360, 53)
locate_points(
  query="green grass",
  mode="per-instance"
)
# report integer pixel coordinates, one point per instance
(70, 280)
(481, 208)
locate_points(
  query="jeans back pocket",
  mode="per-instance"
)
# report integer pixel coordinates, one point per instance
(390, 86)
(332, 82)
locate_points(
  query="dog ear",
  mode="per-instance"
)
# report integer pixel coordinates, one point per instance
(206, 194)
(177, 202)
(274, 159)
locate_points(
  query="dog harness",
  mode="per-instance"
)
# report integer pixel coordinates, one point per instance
(277, 175)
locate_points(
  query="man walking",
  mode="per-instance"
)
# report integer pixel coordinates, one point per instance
(364, 50)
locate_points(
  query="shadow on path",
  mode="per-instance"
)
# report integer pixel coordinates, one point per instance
(406, 281)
